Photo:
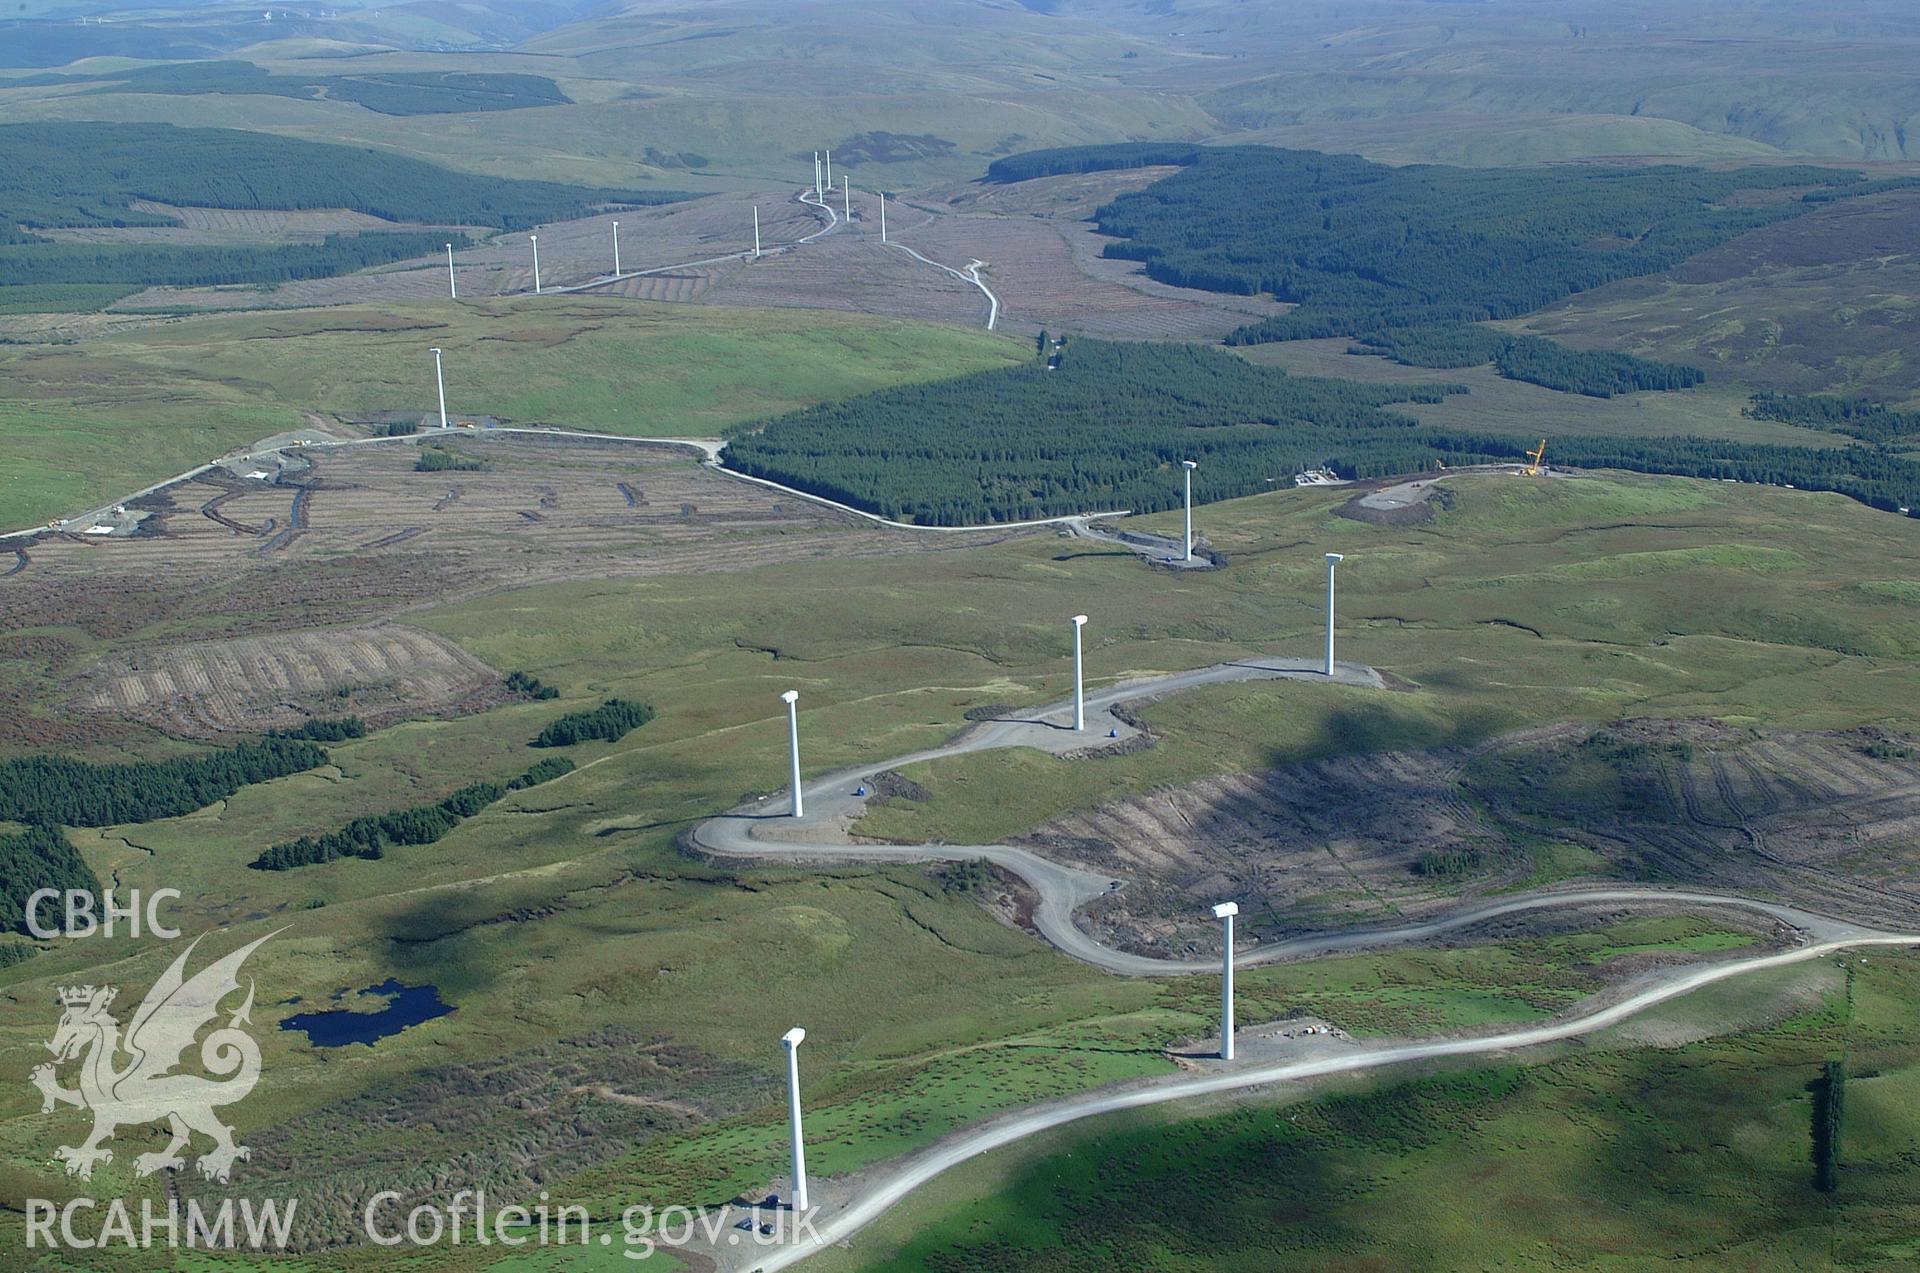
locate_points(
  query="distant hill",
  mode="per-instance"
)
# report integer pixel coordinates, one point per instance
(86, 174)
(403, 93)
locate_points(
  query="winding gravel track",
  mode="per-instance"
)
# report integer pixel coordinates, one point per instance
(745, 254)
(970, 274)
(707, 448)
(833, 1225)
(762, 830)
(1062, 889)
(833, 804)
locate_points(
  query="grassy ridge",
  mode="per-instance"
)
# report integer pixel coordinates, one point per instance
(1642, 1153)
(90, 422)
(85, 174)
(1689, 571)
(420, 93)
(1816, 305)
(89, 174)
(590, 919)
(1685, 82)
(371, 837)
(880, 1111)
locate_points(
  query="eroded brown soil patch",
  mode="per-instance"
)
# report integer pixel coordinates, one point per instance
(1830, 821)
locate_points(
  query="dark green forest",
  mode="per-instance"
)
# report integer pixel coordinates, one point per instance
(62, 298)
(1594, 373)
(1107, 430)
(325, 729)
(1067, 160)
(609, 722)
(1829, 1124)
(531, 686)
(154, 265)
(1861, 418)
(88, 174)
(398, 93)
(51, 790)
(1101, 432)
(48, 792)
(1361, 246)
(543, 771)
(1864, 473)
(84, 174)
(445, 92)
(371, 837)
(39, 857)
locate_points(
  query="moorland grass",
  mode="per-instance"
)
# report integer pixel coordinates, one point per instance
(567, 908)
(1583, 598)
(90, 422)
(61, 298)
(1608, 1156)
(63, 454)
(872, 1108)
(1826, 323)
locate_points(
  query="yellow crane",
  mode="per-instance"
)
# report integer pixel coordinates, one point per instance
(1537, 455)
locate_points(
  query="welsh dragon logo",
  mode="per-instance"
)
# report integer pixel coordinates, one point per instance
(144, 1088)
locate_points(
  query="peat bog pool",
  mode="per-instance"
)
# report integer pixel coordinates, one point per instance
(406, 1006)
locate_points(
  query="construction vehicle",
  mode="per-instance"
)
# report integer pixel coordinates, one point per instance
(1537, 455)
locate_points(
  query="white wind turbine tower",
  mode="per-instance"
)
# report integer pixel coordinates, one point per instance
(792, 698)
(616, 249)
(1189, 466)
(1079, 683)
(792, 1039)
(823, 193)
(536, 262)
(1225, 912)
(453, 287)
(441, 382)
(883, 216)
(1333, 559)
(816, 176)
(756, 231)
(846, 197)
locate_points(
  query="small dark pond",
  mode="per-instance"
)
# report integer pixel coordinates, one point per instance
(406, 1006)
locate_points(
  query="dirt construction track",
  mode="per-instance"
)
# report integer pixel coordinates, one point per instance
(832, 801)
